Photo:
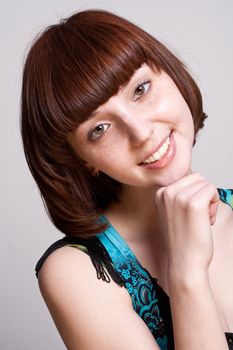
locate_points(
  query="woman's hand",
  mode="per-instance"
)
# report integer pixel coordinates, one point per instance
(187, 208)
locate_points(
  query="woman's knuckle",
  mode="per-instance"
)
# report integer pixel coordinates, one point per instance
(170, 192)
(194, 205)
(181, 199)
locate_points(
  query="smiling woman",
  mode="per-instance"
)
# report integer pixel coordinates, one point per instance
(109, 120)
(132, 130)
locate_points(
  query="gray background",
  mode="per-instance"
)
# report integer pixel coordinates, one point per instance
(200, 32)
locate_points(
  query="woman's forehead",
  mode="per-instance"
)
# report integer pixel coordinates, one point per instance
(143, 69)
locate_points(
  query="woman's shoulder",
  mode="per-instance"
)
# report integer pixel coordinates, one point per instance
(61, 260)
(75, 265)
(69, 273)
(222, 262)
(56, 249)
(224, 222)
(223, 226)
(91, 248)
(88, 312)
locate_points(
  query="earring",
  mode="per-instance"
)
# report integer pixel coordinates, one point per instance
(95, 172)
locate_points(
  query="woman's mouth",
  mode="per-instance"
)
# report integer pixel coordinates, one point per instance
(162, 156)
(160, 153)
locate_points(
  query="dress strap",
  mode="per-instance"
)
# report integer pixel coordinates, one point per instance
(92, 247)
(56, 245)
(118, 249)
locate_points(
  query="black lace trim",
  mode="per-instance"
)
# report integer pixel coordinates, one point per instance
(98, 255)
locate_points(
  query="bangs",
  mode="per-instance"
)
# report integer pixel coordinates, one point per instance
(87, 65)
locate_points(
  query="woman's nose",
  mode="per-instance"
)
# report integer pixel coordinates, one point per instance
(137, 122)
(139, 130)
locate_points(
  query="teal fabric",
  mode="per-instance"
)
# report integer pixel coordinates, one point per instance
(226, 195)
(137, 281)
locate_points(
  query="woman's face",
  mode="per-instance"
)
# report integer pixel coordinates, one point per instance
(123, 132)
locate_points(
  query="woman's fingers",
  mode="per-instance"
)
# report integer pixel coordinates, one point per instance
(211, 196)
(182, 183)
(183, 191)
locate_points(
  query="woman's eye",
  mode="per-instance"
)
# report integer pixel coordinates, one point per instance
(98, 131)
(141, 89)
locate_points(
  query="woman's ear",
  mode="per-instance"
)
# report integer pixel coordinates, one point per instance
(92, 170)
(95, 172)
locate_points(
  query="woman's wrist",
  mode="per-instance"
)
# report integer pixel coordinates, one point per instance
(194, 312)
(186, 280)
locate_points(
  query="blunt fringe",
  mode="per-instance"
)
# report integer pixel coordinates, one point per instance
(71, 68)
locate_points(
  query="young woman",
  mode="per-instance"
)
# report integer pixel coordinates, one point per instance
(109, 119)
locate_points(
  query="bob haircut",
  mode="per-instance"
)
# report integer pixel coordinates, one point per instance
(72, 68)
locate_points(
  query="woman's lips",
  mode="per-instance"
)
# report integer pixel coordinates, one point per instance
(156, 149)
(169, 155)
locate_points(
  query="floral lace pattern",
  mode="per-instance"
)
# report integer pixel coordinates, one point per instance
(145, 301)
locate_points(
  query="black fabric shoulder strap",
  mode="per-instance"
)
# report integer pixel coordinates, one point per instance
(56, 245)
(97, 252)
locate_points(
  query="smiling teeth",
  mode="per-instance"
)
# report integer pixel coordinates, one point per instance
(159, 154)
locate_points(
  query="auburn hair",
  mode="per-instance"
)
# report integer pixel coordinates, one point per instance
(72, 68)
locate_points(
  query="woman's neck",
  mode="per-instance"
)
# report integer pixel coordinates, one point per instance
(136, 211)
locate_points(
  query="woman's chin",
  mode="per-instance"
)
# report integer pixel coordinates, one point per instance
(172, 177)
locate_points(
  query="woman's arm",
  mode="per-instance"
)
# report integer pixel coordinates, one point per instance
(196, 322)
(187, 208)
(90, 314)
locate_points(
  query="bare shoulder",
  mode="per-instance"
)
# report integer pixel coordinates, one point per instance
(224, 220)
(223, 233)
(89, 313)
(68, 266)
(219, 272)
